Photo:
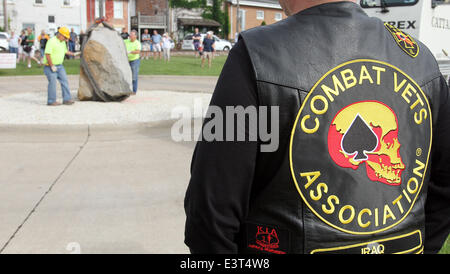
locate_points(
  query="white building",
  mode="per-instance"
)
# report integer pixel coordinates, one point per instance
(46, 15)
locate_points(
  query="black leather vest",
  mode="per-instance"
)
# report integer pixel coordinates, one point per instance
(350, 174)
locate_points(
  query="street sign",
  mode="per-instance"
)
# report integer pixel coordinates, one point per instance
(8, 60)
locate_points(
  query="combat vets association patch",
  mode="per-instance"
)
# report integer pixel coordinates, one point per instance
(403, 40)
(360, 146)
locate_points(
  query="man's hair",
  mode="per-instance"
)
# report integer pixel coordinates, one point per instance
(133, 31)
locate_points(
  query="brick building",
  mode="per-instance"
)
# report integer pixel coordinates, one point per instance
(253, 13)
(117, 12)
(150, 14)
(152, 7)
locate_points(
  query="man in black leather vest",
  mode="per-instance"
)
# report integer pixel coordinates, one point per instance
(362, 163)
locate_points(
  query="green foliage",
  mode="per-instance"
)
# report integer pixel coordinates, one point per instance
(263, 23)
(192, 4)
(216, 13)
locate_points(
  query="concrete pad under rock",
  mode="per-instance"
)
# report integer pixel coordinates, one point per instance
(146, 106)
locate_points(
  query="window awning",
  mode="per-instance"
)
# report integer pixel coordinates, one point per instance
(201, 22)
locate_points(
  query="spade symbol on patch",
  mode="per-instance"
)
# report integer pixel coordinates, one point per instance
(359, 139)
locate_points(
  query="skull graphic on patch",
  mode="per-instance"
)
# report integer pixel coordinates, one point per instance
(367, 132)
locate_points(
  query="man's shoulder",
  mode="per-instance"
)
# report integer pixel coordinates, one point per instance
(272, 28)
(52, 40)
(135, 43)
(51, 43)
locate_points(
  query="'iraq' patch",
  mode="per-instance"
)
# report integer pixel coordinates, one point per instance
(360, 146)
(403, 40)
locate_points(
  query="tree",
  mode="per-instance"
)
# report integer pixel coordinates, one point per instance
(5, 16)
(187, 4)
(216, 13)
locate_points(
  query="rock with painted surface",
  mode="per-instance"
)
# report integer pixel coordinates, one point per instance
(105, 57)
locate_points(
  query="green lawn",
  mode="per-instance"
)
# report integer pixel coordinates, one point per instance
(178, 65)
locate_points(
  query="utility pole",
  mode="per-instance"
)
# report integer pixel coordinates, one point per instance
(238, 18)
(5, 16)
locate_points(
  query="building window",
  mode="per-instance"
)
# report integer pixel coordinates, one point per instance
(260, 14)
(278, 16)
(242, 19)
(118, 9)
(51, 19)
(97, 10)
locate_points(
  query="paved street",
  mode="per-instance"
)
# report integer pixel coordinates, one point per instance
(94, 189)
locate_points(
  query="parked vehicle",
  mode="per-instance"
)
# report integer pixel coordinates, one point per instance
(4, 44)
(428, 21)
(220, 44)
(172, 44)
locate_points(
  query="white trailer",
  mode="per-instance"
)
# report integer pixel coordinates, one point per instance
(426, 20)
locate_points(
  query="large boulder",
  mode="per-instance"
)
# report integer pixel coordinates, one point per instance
(105, 59)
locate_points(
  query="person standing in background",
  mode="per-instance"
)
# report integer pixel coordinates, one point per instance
(146, 40)
(124, 34)
(14, 43)
(72, 41)
(43, 38)
(133, 50)
(23, 42)
(166, 45)
(197, 38)
(82, 38)
(156, 43)
(29, 48)
(208, 49)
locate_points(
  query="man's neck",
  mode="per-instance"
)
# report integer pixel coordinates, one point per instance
(294, 7)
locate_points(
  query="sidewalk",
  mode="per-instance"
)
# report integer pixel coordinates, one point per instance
(102, 191)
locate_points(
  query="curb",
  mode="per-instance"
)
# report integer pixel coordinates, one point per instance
(95, 132)
(46, 129)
